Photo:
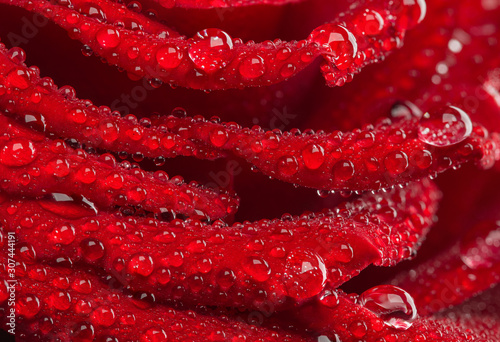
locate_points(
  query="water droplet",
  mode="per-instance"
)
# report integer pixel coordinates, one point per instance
(155, 335)
(91, 10)
(108, 38)
(82, 285)
(19, 78)
(26, 252)
(405, 110)
(61, 300)
(313, 156)
(338, 42)
(257, 268)
(396, 162)
(58, 167)
(480, 248)
(408, 13)
(288, 165)
(142, 264)
(370, 22)
(64, 234)
(104, 316)
(115, 181)
(226, 279)
(329, 298)
(17, 55)
(211, 50)
(393, 304)
(343, 170)
(17, 152)
(358, 329)
(342, 252)
(444, 126)
(287, 70)
(218, 136)
(92, 249)
(169, 56)
(252, 67)
(82, 332)
(35, 121)
(305, 274)
(77, 115)
(28, 306)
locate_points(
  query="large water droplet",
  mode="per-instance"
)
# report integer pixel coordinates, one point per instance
(338, 42)
(305, 274)
(211, 50)
(480, 248)
(393, 304)
(17, 152)
(444, 126)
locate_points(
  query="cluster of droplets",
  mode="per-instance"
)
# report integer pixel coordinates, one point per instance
(275, 265)
(175, 60)
(22, 164)
(71, 305)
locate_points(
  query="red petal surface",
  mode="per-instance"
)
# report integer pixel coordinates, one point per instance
(73, 304)
(244, 265)
(135, 233)
(214, 60)
(35, 166)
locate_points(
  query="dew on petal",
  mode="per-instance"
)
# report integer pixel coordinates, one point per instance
(339, 43)
(393, 304)
(444, 126)
(305, 274)
(211, 50)
(257, 268)
(17, 152)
